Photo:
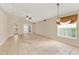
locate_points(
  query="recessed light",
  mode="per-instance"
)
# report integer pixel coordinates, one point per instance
(30, 17)
(27, 16)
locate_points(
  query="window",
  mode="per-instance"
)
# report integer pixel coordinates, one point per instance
(67, 27)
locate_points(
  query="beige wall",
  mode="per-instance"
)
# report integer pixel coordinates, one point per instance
(3, 26)
(33, 28)
(12, 20)
(7, 22)
(49, 29)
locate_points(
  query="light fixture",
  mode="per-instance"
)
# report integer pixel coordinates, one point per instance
(45, 20)
(58, 10)
(58, 21)
(28, 17)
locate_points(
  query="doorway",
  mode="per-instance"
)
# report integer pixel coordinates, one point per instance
(27, 28)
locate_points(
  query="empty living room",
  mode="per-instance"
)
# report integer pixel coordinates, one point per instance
(39, 28)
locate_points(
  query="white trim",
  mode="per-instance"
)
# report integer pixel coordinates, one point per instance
(67, 26)
(67, 37)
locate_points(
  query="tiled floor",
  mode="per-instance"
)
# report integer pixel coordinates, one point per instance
(31, 44)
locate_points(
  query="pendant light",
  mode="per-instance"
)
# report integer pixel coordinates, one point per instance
(58, 21)
(57, 10)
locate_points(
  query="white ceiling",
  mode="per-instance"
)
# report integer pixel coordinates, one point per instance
(38, 11)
